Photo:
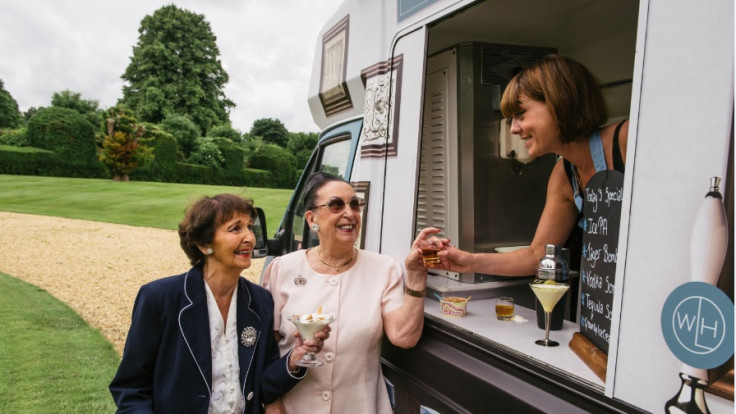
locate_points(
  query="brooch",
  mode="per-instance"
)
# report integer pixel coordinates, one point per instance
(300, 281)
(249, 336)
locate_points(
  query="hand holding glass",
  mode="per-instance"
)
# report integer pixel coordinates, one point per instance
(549, 293)
(308, 325)
(429, 252)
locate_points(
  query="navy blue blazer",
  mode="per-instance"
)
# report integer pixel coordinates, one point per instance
(167, 360)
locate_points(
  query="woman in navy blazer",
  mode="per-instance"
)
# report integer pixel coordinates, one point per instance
(201, 342)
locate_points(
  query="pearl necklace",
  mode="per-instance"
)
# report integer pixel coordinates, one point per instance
(336, 267)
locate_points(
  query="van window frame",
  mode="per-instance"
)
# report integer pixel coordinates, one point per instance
(348, 131)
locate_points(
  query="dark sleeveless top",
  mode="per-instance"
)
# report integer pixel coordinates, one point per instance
(575, 240)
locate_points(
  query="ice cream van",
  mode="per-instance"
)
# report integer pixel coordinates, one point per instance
(406, 94)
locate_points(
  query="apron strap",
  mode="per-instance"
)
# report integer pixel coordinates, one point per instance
(596, 151)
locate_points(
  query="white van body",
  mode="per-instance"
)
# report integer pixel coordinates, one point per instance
(391, 90)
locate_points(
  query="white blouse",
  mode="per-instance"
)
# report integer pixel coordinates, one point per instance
(226, 395)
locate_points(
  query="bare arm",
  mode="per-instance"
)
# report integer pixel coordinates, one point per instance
(555, 224)
(404, 326)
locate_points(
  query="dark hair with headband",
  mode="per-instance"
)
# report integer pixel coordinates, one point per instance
(316, 181)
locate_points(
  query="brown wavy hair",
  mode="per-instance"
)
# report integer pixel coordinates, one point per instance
(569, 90)
(202, 218)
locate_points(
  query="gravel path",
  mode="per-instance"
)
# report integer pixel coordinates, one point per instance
(96, 268)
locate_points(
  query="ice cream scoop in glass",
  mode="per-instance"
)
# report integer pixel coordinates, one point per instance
(549, 293)
(308, 325)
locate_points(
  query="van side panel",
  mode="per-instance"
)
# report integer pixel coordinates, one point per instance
(401, 171)
(683, 133)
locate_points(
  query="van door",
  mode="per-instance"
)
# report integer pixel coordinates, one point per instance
(334, 154)
(390, 142)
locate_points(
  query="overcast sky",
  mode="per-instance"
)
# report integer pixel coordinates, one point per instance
(266, 47)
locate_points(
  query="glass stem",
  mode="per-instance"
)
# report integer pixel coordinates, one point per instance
(546, 326)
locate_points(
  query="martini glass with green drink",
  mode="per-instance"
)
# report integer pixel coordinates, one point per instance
(549, 293)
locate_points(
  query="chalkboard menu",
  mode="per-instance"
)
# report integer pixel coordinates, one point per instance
(602, 215)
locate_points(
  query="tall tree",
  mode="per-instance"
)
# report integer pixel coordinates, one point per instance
(226, 131)
(301, 145)
(87, 107)
(184, 130)
(30, 112)
(10, 116)
(175, 69)
(271, 130)
(73, 100)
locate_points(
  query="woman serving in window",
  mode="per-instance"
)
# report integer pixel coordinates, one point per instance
(555, 106)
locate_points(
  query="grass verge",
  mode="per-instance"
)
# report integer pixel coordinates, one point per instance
(50, 359)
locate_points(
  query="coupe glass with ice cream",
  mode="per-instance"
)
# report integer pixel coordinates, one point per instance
(308, 325)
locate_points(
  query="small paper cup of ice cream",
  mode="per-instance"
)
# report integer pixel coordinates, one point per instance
(454, 307)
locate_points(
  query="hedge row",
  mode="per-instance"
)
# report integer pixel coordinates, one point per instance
(61, 142)
(65, 132)
(36, 161)
(199, 174)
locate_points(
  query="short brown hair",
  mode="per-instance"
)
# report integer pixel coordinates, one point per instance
(569, 90)
(202, 218)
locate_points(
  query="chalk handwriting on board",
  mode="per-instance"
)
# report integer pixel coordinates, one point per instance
(602, 215)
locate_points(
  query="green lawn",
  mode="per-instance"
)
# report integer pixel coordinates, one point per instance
(51, 361)
(159, 205)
